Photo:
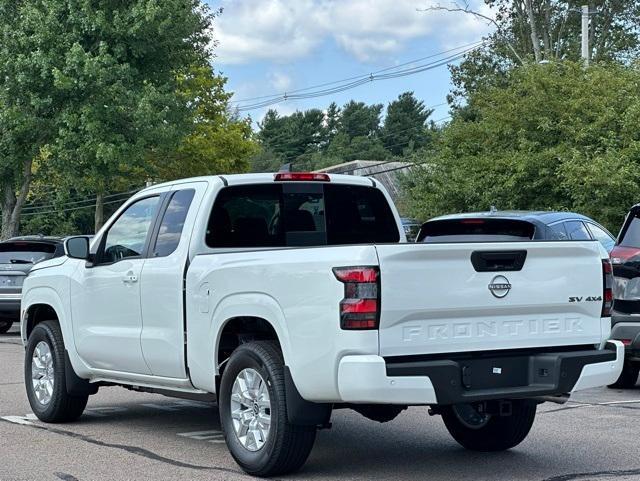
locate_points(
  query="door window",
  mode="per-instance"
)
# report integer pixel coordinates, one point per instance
(558, 232)
(577, 230)
(128, 234)
(602, 236)
(173, 223)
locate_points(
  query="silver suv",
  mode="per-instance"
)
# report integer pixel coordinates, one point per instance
(17, 257)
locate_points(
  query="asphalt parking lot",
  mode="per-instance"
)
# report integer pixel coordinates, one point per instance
(125, 435)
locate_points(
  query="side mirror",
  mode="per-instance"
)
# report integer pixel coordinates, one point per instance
(77, 247)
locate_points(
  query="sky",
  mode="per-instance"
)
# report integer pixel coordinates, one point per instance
(268, 47)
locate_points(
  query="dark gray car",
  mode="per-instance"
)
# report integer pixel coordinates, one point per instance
(495, 226)
(17, 257)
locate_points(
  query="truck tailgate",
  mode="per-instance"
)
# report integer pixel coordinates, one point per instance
(435, 299)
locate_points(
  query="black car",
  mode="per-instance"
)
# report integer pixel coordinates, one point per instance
(17, 257)
(495, 226)
(625, 315)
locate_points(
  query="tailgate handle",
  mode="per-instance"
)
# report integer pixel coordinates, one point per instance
(498, 261)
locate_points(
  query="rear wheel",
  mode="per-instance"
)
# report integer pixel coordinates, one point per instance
(5, 326)
(45, 376)
(628, 377)
(478, 431)
(253, 413)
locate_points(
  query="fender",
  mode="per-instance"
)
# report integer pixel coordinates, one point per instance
(49, 296)
(203, 341)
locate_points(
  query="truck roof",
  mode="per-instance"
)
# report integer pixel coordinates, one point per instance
(239, 179)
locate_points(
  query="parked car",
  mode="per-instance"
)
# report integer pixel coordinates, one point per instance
(411, 228)
(497, 226)
(17, 257)
(625, 258)
(286, 295)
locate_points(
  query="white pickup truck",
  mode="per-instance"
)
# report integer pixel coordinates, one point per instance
(287, 295)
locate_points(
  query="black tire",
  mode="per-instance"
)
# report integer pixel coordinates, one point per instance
(628, 377)
(5, 326)
(62, 407)
(287, 446)
(499, 433)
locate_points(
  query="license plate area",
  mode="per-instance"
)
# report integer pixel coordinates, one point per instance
(495, 373)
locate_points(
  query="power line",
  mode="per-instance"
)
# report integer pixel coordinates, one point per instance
(73, 208)
(357, 82)
(36, 207)
(476, 43)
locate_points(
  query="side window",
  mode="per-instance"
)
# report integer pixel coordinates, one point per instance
(602, 236)
(558, 232)
(246, 216)
(128, 234)
(172, 223)
(577, 231)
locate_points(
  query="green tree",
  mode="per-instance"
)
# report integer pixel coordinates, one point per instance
(404, 126)
(107, 73)
(26, 105)
(557, 136)
(288, 138)
(220, 142)
(537, 30)
(358, 119)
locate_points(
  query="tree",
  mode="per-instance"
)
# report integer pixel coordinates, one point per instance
(105, 75)
(333, 123)
(293, 136)
(556, 136)
(404, 126)
(537, 30)
(25, 110)
(220, 142)
(360, 120)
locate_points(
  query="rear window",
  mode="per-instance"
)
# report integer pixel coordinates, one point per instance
(631, 234)
(300, 214)
(476, 230)
(25, 252)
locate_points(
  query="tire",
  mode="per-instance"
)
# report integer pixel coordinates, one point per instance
(628, 377)
(5, 326)
(285, 447)
(498, 433)
(52, 403)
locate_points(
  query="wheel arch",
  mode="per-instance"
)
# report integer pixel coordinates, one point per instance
(39, 302)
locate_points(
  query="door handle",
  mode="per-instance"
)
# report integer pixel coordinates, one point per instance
(130, 278)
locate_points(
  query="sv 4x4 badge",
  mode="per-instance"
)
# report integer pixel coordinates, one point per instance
(586, 299)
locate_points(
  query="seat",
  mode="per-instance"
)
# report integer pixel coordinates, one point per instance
(300, 221)
(250, 231)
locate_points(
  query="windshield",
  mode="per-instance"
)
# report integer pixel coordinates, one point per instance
(25, 252)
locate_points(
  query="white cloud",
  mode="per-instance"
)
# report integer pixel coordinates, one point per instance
(280, 81)
(284, 30)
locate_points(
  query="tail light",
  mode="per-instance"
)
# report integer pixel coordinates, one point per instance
(607, 293)
(360, 308)
(620, 254)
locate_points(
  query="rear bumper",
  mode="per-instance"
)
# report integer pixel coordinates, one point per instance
(626, 327)
(10, 307)
(372, 379)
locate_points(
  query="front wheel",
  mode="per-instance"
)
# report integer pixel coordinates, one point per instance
(628, 376)
(45, 376)
(479, 431)
(253, 413)
(5, 326)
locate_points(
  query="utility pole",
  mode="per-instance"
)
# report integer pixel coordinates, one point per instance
(585, 34)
